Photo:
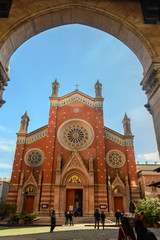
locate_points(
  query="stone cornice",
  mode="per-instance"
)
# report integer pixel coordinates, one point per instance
(3, 77)
(32, 136)
(117, 137)
(151, 80)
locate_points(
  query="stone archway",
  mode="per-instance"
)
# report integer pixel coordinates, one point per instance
(74, 167)
(122, 19)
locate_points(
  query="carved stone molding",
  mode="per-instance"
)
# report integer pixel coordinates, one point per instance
(151, 79)
(3, 82)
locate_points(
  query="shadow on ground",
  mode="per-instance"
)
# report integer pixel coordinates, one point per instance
(62, 233)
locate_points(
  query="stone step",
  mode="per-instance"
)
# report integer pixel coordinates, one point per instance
(77, 220)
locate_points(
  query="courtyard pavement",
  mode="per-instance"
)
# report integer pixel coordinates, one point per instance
(76, 232)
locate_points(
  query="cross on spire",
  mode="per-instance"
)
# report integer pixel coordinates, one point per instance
(76, 86)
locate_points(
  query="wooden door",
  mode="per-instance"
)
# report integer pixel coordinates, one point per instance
(29, 203)
(118, 204)
(70, 199)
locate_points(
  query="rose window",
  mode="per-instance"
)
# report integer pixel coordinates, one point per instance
(115, 159)
(34, 158)
(75, 134)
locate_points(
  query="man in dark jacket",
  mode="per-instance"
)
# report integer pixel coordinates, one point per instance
(53, 220)
(103, 219)
(97, 218)
(117, 215)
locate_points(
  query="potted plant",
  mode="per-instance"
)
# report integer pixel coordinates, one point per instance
(28, 218)
(150, 208)
(2, 209)
(11, 208)
(15, 219)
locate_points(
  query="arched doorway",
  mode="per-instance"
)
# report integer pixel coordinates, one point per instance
(74, 189)
(29, 198)
(74, 196)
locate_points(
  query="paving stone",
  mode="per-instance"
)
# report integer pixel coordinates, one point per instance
(76, 232)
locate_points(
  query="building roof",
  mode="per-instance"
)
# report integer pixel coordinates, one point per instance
(155, 184)
(147, 167)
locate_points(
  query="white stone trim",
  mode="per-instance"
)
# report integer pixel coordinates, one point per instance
(33, 150)
(63, 135)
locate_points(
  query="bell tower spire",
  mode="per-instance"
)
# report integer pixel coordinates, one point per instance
(127, 125)
(24, 123)
(98, 89)
(55, 88)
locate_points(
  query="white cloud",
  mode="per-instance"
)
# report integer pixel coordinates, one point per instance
(2, 128)
(7, 145)
(4, 165)
(149, 156)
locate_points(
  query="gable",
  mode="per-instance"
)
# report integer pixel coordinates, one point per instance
(77, 96)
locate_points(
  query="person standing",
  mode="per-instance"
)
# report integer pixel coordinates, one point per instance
(143, 218)
(71, 218)
(67, 218)
(121, 216)
(53, 221)
(126, 231)
(103, 219)
(97, 218)
(117, 215)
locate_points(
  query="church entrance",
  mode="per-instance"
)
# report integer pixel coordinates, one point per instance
(28, 205)
(118, 204)
(74, 200)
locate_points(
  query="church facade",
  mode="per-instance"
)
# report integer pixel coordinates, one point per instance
(74, 163)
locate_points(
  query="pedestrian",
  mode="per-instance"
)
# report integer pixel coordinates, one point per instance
(137, 217)
(67, 218)
(97, 218)
(71, 218)
(103, 216)
(143, 218)
(143, 232)
(117, 215)
(53, 221)
(126, 231)
(121, 216)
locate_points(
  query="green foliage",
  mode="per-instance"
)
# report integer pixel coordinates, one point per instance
(28, 217)
(2, 208)
(15, 218)
(11, 208)
(150, 207)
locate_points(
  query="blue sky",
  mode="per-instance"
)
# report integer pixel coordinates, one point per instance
(75, 54)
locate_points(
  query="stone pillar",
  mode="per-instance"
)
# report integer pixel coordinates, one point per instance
(3, 82)
(91, 187)
(151, 86)
(57, 186)
(127, 194)
(111, 203)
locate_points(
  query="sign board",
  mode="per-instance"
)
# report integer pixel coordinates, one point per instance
(103, 206)
(44, 205)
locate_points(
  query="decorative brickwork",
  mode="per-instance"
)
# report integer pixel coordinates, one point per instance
(74, 160)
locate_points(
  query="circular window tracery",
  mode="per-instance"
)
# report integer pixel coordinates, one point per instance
(34, 158)
(115, 159)
(75, 134)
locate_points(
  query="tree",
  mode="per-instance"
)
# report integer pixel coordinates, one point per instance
(150, 207)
